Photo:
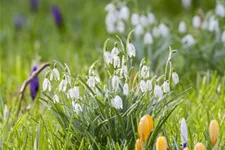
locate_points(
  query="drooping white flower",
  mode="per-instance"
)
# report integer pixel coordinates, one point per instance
(182, 27)
(131, 51)
(135, 19)
(158, 91)
(63, 85)
(6, 113)
(148, 39)
(151, 18)
(188, 40)
(124, 13)
(96, 76)
(117, 102)
(144, 72)
(115, 52)
(56, 73)
(138, 30)
(223, 37)
(110, 28)
(149, 85)
(220, 10)
(213, 24)
(91, 81)
(155, 32)
(175, 78)
(115, 82)
(46, 85)
(196, 21)
(120, 26)
(108, 57)
(126, 89)
(143, 86)
(186, 3)
(116, 62)
(166, 87)
(55, 98)
(111, 18)
(184, 133)
(144, 21)
(124, 71)
(110, 7)
(76, 107)
(73, 92)
(163, 29)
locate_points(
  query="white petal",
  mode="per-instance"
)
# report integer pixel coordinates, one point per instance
(117, 102)
(131, 51)
(149, 85)
(56, 98)
(148, 39)
(143, 86)
(166, 87)
(175, 78)
(144, 72)
(134, 19)
(182, 27)
(196, 21)
(56, 72)
(45, 84)
(158, 91)
(125, 89)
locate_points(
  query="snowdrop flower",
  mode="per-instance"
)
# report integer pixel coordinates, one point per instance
(143, 86)
(155, 32)
(124, 13)
(126, 89)
(110, 28)
(186, 3)
(196, 21)
(131, 50)
(135, 19)
(115, 82)
(124, 71)
(111, 18)
(188, 40)
(158, 91)
(56, 73)
(63, 85)
(223, 37)
(144, 72)
(184, 133)
(115, 52)
(91, 81)
(55, 98)
(220, 10)
(46, 85)
(116, 61)
(138, 30)
(73, 92)
(110, 7)
(148, 39)
(108, 58)
(166, 87)
(76, 107)
(182, 27)
(149, 85)
(144, 20)
(164, 30)
(175, 78)
(120, 26)
(117, 102)
(151, 18)
(213, 24)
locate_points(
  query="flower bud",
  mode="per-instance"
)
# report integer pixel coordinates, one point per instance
(199, 146)
(161, 143)
(145, 127)
(213, 131)
(138, 145)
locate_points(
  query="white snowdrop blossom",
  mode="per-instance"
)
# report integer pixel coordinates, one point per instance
(164, 30)
(149, 85)
(220, 10)
(184, 133)
(182, 27)
(110, 7)
(63, 85)
(213, 24)
(55, 98)
(91, 81)
(46, 85)
(126, 89)
(144, 72)
(148, 39)
(76, 107)
(124, 13)
(158, 91)
(143, 86)
(110, 28)
(144, 21)
(188, 40)
(116, 62)
(151, 18)
(196, 21)
(223, 37)
(131, 50)
(108, 57)
(117, 102)
(186, 3)
(175, 78)
(115, 52)
(120, 26)
(124, 71)
(166, 87)
(115, 82)
(155, 32)
(138, 30)
(135, 19)
(56, 73)
(73, 92)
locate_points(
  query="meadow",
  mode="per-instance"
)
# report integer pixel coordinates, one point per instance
(112, 74)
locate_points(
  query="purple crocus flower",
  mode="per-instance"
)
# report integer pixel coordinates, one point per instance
(33, 5)
(57, 16)
(34, 84)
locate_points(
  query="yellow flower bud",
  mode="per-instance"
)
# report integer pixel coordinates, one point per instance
(200, 146)
(186, 148)
(138, 145)
(145, 127)
(161, 143)
(213, 131)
